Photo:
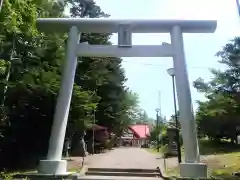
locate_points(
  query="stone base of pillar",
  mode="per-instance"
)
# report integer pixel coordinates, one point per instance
(193, 170)
(56, 167)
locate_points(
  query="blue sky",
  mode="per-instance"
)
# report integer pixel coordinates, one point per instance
(147, 76)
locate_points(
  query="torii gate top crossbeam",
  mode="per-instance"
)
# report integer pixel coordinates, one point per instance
(103, 25)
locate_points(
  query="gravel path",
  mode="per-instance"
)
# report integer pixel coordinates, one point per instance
(128, 157)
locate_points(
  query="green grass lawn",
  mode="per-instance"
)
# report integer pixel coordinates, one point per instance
(222, 159)
(10, 175)
(76, 169)
(221, 165)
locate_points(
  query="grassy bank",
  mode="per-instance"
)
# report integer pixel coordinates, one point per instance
(222, 158)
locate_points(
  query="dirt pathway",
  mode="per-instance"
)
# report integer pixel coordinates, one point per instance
(126, 157)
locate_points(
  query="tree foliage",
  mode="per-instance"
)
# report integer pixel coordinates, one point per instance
(218, 116)
(30, 73)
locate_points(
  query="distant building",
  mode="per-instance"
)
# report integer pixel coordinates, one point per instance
(135, 135)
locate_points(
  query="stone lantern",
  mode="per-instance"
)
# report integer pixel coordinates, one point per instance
(172, 144)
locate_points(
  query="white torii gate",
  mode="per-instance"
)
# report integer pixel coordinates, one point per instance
(124, 27)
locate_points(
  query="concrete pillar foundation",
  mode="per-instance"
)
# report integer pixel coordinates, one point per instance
(58, 167)
(193, 170)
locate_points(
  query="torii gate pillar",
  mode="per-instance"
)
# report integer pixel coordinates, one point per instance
(191, 167)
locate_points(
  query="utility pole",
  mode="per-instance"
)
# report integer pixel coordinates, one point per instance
(176, 122)
(93, 132)
(160, 108)
(145, 129)
(158, 116)
(157, 127)
(160, 123)
(171, 72)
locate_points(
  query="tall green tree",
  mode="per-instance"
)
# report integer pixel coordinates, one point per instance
(217, 117)
(132, 101)
(35, 62)
(104, 76)
(31, 67)
(135, 113)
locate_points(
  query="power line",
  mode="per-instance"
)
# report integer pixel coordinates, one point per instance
(164, 66)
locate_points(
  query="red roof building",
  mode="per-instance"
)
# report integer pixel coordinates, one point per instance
(140, 130)
(135, 135)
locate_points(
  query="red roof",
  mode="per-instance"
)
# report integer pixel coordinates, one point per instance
(141, 130)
